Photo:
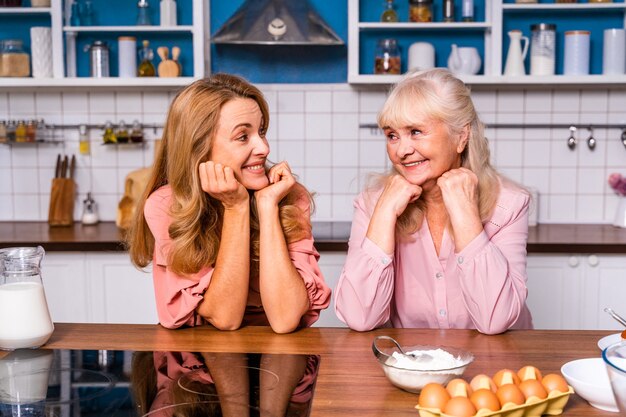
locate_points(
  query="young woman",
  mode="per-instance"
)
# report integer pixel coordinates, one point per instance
(229, 238)
(440, 242)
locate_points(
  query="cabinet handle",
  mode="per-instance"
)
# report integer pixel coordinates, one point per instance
(573, 261)
(593, 260)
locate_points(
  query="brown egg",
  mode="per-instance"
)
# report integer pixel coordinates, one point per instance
(485, 398)
(459, 387)
(554, 382)
(533, 388)
(433, 396)
(460, 407)
(510, 393)
(482, 381)
(529, 372)
(505, 376)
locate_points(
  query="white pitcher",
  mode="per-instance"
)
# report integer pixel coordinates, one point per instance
(464, 60)
(515, 58)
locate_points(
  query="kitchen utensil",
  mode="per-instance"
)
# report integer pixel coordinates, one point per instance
(24, 316)
(167, 67)
(464, 60)
(616, 316)
(380, 354)
(571, 141)
(515, 57)
(591, 141)
(62, 192)
(615, 359)
(175, 56)
(57, 168)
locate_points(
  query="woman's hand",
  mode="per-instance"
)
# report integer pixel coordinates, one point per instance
(281, 182)
(220, 183)
(397, 195)
(459, 189)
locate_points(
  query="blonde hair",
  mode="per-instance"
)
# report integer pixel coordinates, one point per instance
(187, 140)
(441, 96)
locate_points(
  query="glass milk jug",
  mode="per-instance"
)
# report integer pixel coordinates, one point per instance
(24, 316)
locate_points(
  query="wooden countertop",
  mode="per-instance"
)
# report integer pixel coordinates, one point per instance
(350, 381)
(545, 238)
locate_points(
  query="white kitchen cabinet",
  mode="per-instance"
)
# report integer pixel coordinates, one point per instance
(571, 291)
(495, 19)
(331, 264)
(94, 287)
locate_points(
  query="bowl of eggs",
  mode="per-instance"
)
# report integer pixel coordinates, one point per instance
(412, 367)
(507, 394)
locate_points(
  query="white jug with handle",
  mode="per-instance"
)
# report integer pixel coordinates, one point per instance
(464, 60)
(514, 65)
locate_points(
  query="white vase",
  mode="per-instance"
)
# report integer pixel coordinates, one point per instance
(620, 213)
(41, 51)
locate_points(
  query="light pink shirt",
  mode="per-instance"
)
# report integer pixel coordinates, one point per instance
(177, 297)
(483, 287)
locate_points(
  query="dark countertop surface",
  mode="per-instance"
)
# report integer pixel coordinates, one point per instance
(329, 236)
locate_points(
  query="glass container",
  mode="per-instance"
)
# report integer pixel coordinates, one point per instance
(3, 132)
(448, 10)
(136, 135)
(25, 320)
(109, 134)
(387, 59)
(15, 61)
(90, 213)
(542, 49)
(146, 67)
(389, 14)
(143, 13)
(420, 11)
(122, 133)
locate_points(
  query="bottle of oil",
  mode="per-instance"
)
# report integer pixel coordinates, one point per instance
(83, 140)
(109, 135)
(122, 133)
(136, 135)
(20, 131)
(146, 67)
(389, 14)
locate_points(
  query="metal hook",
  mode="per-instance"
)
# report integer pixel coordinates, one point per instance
(591, 141)
(571, 141)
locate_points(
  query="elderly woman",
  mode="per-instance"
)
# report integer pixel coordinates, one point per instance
(440, 242)
(229, 236)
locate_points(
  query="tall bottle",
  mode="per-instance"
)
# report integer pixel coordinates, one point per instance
(168, 13)
(83, 140)
(467, 12)
(146, 68)
(448, 10)
(389, 14)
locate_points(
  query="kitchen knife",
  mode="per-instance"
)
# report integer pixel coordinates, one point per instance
(72, 166)
(63, 167)
(57, 168)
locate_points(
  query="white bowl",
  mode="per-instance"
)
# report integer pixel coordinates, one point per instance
(590, 380)
(607, 341)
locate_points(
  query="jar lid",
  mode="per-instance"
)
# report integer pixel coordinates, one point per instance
(577, 32)
(420, 2)
(126, 38)
(543, 26)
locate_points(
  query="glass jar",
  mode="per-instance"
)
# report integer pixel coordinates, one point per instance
(542, 49)
(24, 316)
(387, 57)
(15, 61)
(420, 11)
(566, 1)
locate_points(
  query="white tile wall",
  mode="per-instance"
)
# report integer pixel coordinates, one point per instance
(316, 128)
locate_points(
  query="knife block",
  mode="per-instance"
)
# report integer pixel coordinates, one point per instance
(61, 210)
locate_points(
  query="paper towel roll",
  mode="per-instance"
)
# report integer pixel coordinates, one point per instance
(41, 51)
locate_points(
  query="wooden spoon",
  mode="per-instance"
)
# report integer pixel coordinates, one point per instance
(175, 55)
(167, 67)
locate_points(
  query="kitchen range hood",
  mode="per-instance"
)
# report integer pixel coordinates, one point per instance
(276, 22)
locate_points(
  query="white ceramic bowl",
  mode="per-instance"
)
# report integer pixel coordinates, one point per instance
(615, 358)
(607, 341)
(590, 380)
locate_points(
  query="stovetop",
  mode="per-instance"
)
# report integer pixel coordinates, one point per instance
(99, 383)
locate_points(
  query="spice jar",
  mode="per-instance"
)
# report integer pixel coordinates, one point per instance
(542, 49)
(387, 57)
(420, 11)
(15, 62)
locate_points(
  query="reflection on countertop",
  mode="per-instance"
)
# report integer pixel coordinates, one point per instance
(329, 236)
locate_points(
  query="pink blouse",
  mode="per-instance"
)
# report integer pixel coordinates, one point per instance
(177, 297)
(482, 287)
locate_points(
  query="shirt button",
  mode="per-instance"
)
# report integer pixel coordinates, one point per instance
(438, 275)
(385, 261)
(459, 260)
(442, 312)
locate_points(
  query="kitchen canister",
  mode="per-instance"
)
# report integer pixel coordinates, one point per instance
(576, 56)
(127, 58)
(98, 59)
(421, 56)
(41, 51)
(614, 52)
(542, 49)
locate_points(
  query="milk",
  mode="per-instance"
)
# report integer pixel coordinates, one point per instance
(24, 317)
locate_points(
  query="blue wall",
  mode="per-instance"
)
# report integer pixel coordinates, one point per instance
(284, 64)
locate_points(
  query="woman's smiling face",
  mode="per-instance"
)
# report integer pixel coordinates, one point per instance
(423, 150)
(240, 142)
